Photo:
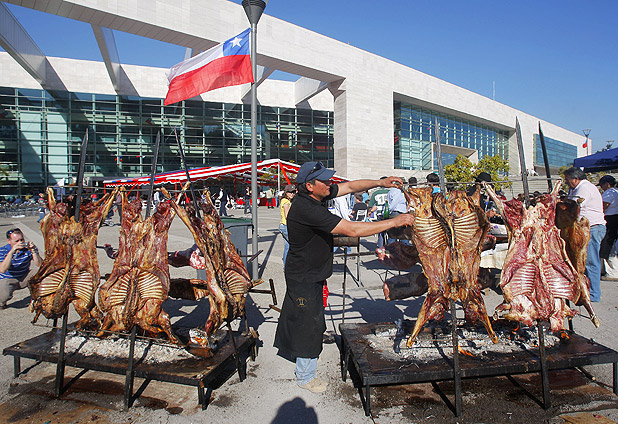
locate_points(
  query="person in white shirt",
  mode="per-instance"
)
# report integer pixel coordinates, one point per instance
(591, 208)
(341, 207)
(610, 207)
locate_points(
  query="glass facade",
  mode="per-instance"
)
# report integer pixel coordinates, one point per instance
(414, 133)
(41, 136)
(559, 153)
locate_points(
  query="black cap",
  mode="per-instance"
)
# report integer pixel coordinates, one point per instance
(607, 179)
(313, 170)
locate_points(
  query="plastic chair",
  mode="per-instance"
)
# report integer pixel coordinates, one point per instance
(361, 215)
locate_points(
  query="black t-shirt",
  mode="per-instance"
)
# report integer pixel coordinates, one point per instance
(310, 258)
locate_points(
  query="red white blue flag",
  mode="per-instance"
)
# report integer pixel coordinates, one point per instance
(223, 65)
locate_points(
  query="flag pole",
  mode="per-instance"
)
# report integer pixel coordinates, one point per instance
(254, 10)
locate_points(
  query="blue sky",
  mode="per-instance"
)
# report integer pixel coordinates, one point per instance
(557, 60)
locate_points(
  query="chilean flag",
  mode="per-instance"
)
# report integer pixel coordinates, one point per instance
(223, 65)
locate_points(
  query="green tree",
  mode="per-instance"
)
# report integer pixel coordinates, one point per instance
(462, 171)
(495, 166)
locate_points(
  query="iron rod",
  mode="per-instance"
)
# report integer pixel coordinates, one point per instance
(439, 157)
(456, 369)
(153, 173)
(184, 164)
(254, 197)
(545, 159)
(522, 164)
(60, 365)
(544, 375)
(80, 176)
(128, 382)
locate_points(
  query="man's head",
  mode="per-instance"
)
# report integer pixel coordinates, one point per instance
(573, 176)
(313, 171)
(14, 236)
(358, 197)
(412, 181)
(313, 178)
(483, 177)
(606, 182)
(433, 178)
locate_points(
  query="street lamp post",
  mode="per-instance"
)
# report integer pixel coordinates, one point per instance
(254, 10)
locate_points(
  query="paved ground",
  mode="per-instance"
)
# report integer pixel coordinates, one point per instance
(269, 394)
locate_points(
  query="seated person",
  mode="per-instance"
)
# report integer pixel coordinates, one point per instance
(359, 205)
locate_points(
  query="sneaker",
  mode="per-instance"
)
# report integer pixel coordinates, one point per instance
(315, 386)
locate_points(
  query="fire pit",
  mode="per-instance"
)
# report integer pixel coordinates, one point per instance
(374, 351)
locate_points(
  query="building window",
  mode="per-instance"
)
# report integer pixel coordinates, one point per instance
(40, 136)
(415, 133)
(558, 153)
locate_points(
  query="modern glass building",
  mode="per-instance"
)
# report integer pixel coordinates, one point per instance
(559, 153)
(415, 133)
(359, 113)
(41, 135)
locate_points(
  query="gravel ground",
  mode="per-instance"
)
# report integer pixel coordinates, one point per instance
(269, 393)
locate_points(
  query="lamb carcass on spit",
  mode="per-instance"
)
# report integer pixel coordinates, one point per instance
(70, 271)
(449, 236)
(575, 232)
(227, 278)
(538, 277)
(140, 279)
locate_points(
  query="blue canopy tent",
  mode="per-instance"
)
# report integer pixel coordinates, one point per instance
(602, 161)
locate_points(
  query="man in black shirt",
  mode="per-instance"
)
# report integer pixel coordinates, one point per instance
(310, 262)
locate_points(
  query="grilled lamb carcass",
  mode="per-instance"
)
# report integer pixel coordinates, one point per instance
(538, 277)
(227, 278)
(449, 235)
(140, 279)
(575, 232)
(469, 227)
(431, 242)
(70, 271)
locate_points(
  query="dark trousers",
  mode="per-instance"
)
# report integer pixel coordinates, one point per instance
(222, 211)
(610, 236)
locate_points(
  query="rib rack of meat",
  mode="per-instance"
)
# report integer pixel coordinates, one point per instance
(140, 279)
(538, 277)
(227, 278)
(449, 235)
(70, 270)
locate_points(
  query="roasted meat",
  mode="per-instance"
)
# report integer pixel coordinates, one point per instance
(399, 256)
(140, 279)
(575, 232)
(70, 271)
(227, 279)
(449, 235)
(538, 276)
